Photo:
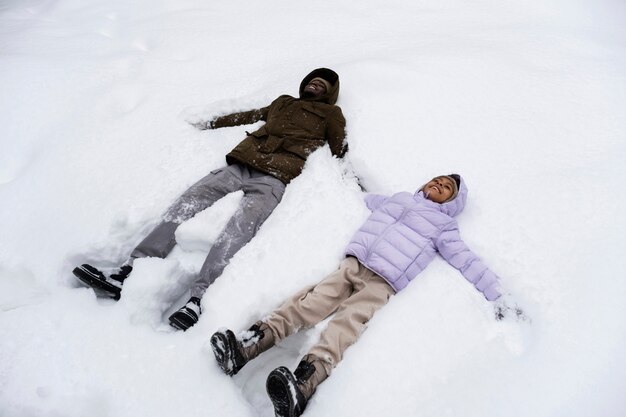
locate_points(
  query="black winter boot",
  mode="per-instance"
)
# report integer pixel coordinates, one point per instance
(282, 387)
(104, 286)
(227, 352)
(232, 353)
(187, 315)
(289, 392)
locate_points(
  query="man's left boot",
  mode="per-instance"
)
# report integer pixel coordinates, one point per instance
(289, 392)
(187, 315)
(107, 286)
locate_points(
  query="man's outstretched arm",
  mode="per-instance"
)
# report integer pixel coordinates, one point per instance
(234, 119)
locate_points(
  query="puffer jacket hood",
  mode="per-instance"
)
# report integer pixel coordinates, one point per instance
(329, 75)
(453, 207)
(406, 231)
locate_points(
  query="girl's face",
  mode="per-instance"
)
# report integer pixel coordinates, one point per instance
(439, 189)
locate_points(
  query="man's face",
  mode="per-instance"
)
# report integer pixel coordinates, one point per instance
(315, 88)
(439, 189)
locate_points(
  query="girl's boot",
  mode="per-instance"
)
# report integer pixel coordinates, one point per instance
(233, 352)
(291, 392)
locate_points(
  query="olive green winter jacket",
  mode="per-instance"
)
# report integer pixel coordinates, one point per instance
(294, 128)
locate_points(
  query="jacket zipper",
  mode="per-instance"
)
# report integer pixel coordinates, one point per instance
(369, 251)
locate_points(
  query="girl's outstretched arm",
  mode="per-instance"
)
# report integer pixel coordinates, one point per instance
(455, 251)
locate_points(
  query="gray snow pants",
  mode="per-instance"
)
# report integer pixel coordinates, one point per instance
(262, 193)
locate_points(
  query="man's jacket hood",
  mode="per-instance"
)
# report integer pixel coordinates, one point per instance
(329, 75)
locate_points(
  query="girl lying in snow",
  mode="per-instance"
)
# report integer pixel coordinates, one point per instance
(398, 240)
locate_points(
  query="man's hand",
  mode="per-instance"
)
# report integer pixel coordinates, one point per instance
(507, 308)
(200, 117)
(202, 125)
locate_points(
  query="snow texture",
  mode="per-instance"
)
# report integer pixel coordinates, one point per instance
(526, 99)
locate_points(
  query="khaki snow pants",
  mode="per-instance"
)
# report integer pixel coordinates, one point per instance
(353, 293)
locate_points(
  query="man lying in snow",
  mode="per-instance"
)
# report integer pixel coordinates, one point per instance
(397, 241)
(261, 165)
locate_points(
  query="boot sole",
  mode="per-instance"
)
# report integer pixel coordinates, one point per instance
(102, 288)
(179, 324)
(278, 388)
(182, 320)
(224, 355)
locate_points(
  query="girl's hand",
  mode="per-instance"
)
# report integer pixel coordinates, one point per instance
(505, 307)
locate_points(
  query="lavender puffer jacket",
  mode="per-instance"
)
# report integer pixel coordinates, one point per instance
(404, 233)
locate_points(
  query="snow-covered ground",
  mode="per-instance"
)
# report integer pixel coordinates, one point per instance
(526, 99)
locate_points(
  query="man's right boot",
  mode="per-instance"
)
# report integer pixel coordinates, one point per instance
(187, 315)
(233, 352)
(110, 286)
(290, 392)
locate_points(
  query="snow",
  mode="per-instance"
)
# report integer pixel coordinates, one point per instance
(524, 99)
